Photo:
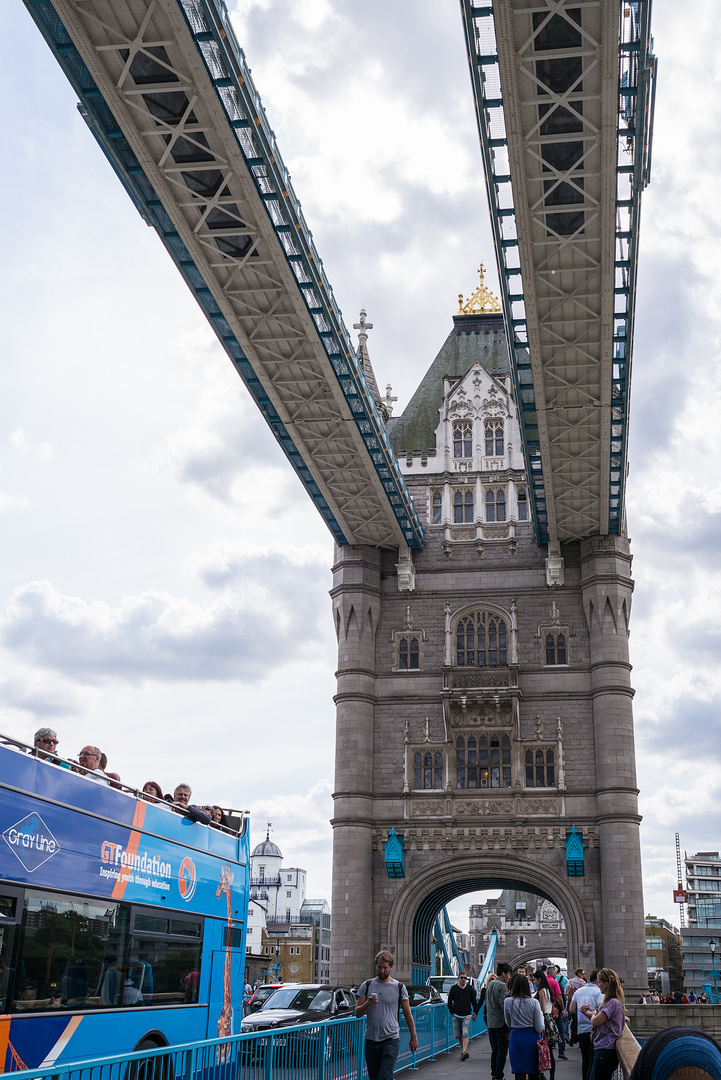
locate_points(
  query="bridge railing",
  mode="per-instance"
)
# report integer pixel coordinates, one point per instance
(328, 1051)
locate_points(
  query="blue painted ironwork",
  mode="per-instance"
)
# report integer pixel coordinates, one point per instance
(443, 933)
(225, 63)
(395, 855)
(329, 1051)
(574, 853)
(637, 70)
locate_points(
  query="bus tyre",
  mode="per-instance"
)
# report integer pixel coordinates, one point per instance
(154, 1068)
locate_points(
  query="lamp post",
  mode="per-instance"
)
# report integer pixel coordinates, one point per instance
(712, 947)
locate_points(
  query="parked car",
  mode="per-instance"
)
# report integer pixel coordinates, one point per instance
(423, 995)
(302, 1003)
(261, 995)
(443, 984)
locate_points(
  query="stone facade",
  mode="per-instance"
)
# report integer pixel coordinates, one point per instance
(480, 711)
(528, 928)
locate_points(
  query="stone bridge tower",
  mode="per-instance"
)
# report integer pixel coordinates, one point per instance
(484, 697)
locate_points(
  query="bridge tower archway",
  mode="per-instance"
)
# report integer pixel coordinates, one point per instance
(413, 912)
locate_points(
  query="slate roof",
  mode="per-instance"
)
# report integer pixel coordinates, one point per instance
(473, 337)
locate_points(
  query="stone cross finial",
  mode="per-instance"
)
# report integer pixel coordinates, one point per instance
(539, 728)
(363, 327)
(427, 736)
(388, 400)
(407, 619)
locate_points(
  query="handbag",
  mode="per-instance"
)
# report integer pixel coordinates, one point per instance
(544, 1054)
(551, 1030)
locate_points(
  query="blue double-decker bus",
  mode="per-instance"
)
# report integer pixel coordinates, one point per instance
(122, 923)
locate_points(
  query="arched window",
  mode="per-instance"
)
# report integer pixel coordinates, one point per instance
(481, 640)
(496, 505)
(437, 507)
(462, 507)
(556, 649)
(408, 654)
(540, 767)
(483, 761)
(428, 770)
(463, 439)
(522, 505)
(494, 438)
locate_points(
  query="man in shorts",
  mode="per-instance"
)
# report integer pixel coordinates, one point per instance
(380, 1000)
(462, 1005)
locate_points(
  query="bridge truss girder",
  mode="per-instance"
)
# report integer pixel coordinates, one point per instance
(564, 96)
(166, 91)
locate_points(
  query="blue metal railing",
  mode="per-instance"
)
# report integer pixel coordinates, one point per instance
(330, 1051)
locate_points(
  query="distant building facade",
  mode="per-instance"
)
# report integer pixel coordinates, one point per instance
(289, 933)
(528, 928)
(703, 885)
(663, 955)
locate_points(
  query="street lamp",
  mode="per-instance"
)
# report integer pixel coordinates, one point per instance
(712, 947)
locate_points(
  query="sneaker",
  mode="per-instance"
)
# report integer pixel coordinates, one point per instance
(464, 1057)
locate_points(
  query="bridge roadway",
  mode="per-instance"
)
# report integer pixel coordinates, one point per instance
(448, 1066)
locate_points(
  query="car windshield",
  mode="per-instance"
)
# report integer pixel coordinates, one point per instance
(288, 997)
(443, 986)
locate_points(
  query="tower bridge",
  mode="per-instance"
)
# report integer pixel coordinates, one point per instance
(482, 583)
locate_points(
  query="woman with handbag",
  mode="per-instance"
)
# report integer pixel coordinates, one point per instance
(544, 997)
(607, 1022)
(523, 1016)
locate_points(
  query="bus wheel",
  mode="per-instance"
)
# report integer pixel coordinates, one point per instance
(154, 1068)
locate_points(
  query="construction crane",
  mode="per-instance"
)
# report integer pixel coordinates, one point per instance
(679, 893)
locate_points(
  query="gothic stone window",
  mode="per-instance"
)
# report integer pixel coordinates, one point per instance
(522, 504)
(556, 649)
(483, 761)
(428, 770)
(481, 640)
(463, 439)
(541, 767)
(494, 438)
(495, 505)
(462, 507)
(436, 508)
(409, 651)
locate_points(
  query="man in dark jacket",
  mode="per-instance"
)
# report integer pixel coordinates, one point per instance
(461, 1005)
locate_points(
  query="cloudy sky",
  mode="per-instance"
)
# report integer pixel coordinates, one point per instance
(163, 577)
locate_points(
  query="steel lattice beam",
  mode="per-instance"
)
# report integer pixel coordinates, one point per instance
(564, 100)
(166, 91)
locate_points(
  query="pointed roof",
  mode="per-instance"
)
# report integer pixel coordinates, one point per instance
(363, 327)
(474, 337)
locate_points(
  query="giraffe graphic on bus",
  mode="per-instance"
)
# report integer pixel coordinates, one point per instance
(225, 1020)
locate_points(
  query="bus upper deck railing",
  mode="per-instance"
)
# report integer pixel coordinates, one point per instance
(327, 1051)
(237, 820)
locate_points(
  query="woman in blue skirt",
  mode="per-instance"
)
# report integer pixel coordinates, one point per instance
(524, 1017)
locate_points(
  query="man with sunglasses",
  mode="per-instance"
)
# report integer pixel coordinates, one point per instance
(45, 741)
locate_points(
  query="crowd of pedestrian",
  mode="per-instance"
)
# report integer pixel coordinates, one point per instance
(92, 763)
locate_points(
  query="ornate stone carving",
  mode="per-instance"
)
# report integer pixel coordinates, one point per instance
(464, 534)
(540, 806)
(428, 807)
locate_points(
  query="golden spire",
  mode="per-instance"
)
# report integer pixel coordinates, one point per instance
(481, 302)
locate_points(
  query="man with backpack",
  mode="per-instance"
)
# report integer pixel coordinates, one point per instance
(380, 1000)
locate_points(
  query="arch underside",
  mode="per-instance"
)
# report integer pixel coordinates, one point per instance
(413, 913)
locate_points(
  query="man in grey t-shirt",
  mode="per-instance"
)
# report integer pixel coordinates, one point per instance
(379, 1000)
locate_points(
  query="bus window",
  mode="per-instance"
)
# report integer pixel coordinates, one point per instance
(8, 906)
(168, 950)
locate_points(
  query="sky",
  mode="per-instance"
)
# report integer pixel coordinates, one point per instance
(163, 576)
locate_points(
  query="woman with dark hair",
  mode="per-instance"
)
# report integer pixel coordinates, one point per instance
(151, 788)
(544, 997)
(675, 1048)
(608, 1022)
(523, 1016)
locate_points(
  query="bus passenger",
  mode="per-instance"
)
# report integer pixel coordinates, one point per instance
(89, 761)
(151, 788)
(45, 742)
(182, 804)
